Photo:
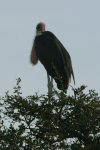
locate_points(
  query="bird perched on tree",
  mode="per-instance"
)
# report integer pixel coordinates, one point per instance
(54, 57)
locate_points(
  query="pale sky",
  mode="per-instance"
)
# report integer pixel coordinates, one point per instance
(76, 23)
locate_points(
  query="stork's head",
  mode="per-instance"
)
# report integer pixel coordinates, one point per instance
(40, 27)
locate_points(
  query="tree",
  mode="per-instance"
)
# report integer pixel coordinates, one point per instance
(49, 121)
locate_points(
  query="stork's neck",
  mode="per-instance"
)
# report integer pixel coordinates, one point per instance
(39, 33)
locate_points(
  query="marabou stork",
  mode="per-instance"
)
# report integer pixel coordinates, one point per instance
(54, 57)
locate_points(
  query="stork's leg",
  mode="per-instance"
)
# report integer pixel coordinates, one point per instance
(50, 83)
(48, 77)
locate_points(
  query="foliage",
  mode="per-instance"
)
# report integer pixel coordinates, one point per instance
(49, 121)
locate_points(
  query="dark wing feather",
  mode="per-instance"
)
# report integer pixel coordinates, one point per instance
(50, 50)
(66, 60)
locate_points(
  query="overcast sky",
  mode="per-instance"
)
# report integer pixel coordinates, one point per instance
(76, 23)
